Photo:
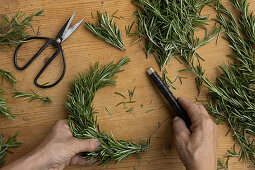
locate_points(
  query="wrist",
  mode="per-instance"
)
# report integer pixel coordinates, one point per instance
(32, 161)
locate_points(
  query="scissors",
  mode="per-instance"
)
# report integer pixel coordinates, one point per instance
(63, 34)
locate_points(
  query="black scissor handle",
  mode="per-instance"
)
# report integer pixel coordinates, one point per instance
(47, 43)
(49, 40)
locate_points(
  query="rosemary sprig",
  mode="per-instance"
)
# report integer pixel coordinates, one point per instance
(5, 145)
(13, 31)
(33, 96)
(131, 93)
(120, 95)
(82, 118)
(148, 111)
(124, 103)
(6, 75)
(107, 30)
(4, 109)
(167, 81)
(130, 110)
(129, 28)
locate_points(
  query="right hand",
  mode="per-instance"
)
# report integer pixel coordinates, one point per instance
(196, 147)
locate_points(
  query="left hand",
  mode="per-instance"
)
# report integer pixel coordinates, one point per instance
(59, 149)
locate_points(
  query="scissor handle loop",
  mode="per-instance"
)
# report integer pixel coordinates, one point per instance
(47, 43)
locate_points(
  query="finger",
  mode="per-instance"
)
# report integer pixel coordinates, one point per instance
(62, 127)
(181, 132)
(192, 109)
(79, 160)
(85, 145)
(203, 110)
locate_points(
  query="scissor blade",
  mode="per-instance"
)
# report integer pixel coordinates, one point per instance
(65, 27)
(69, 32)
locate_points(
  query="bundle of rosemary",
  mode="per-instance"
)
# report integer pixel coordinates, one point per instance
(82, 118)
(169, 28)
(13, 31)
(5, 145)
(107, 30)
(232, 99)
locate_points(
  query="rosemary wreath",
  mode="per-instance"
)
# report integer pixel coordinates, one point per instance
(83, 119)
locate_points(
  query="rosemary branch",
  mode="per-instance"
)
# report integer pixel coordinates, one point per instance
(107, 30)
(33, 96)
(5, 145)
(13, 31)
(82, 118)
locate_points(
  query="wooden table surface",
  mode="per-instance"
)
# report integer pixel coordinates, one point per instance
(81, 50)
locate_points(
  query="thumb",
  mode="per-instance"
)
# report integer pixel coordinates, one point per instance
(85, 145)
(181, 132)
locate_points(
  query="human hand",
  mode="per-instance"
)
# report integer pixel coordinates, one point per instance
(59, 149)
(196, 147)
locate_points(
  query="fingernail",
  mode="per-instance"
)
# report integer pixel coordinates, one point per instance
(98, 144)
(176, 118)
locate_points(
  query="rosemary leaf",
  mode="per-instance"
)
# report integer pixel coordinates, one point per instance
(130, 110)
(110, 113)
(148, 111)
(120, 95)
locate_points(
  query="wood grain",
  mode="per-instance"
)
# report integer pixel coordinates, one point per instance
(83, 49)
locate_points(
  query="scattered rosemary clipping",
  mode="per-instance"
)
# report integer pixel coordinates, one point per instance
(83, 119)
(107, 30)
(6, 145)
(33, 96)
(13, 31)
